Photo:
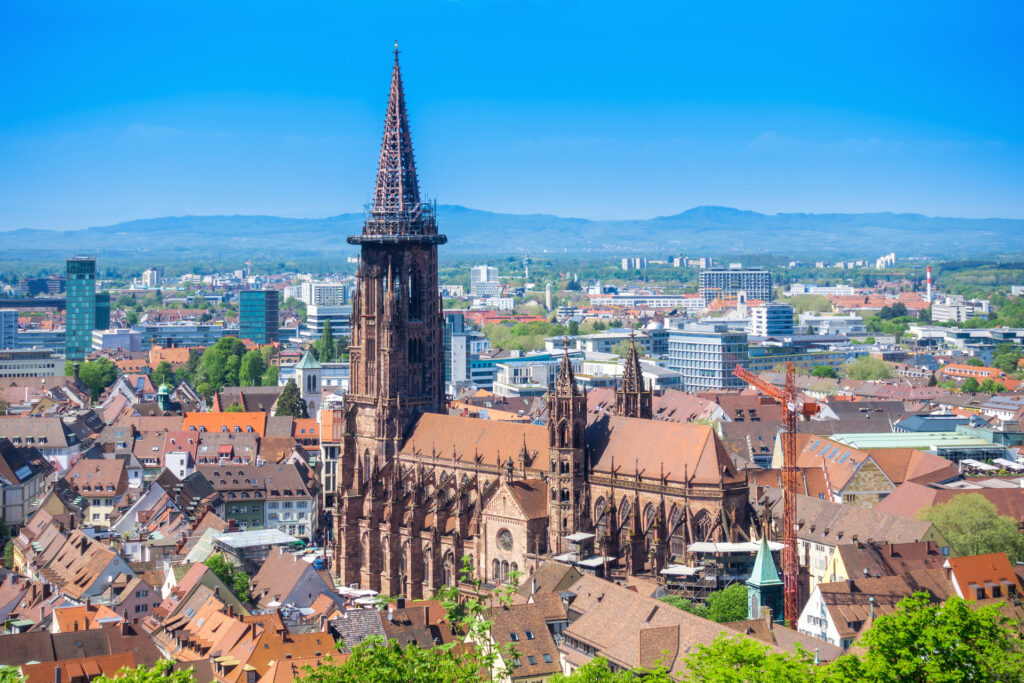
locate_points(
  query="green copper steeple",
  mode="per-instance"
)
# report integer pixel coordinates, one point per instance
(764, 587)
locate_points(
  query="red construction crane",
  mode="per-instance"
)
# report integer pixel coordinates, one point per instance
(790, 410)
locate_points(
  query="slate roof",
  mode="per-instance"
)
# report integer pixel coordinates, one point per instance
(355, 626)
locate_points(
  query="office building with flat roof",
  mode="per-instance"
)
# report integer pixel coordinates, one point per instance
(726, 283)
(706, 355)
(257, 315)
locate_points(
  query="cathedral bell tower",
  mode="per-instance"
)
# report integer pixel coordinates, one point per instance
(396, 349)
(567, 426)
(396, 343)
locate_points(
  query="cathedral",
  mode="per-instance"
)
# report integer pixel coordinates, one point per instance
(419, 489)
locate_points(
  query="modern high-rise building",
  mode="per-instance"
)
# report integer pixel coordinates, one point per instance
(726, 283)
(771, 320)
(81, 307)
(8, 327)
(483, 281)
(706, 355)
(323, 293)
(257, 315)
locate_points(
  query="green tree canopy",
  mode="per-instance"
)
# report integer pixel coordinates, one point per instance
(868, 368)
(973, 525)
(162, 374)
(97, 375)
(219, 366)
(323, 348)
(728, 604)
(824, 371)
(990, 386)
(970, 385)
(975, 361)
(290, 401)
(270, 377)
(251, 370)
(922, 642)
(686, 605)
(161, 672)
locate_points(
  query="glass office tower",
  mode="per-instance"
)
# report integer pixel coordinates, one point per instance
(81, 307)
(257, 315)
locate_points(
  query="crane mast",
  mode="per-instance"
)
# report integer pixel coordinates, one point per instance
(791, 409)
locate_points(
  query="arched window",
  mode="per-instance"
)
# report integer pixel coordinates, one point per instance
(496, 571)
(504, 570)
(650, 515)
(512, 568)
(577, 437)
(702, 524)
(600, 518)
(415, 295)
(563, 435)
(676, 532)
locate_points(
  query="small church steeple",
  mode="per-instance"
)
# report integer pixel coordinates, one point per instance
(764, 587)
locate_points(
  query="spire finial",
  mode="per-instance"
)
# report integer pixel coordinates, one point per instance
(396, 52)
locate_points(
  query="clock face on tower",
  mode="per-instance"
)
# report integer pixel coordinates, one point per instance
(505, 540)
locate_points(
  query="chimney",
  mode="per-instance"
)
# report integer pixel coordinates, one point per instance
(88, 603)
(125, 629)
(231, 611)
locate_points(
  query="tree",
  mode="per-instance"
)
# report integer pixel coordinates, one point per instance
(221, 567)
(973, 525)
(737, 659)
(241, 584)
(685, 604)
(270, 378)
(622, 348)
(975, 361)
(990, 386)
(250, 373)
(932, 381)
(924, 642)
(10, 674)
(868, 368)
(132, 317)
(324, 347)
(161, 672)
(824, 371)
(1006, 357)
(970, 385)
(574, 328)
(728, 604)
(97, 375)
(162, 374)
(290, 401)
(219, 366)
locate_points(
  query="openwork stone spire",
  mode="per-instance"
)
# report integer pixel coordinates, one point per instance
(632, 399)
(632, 375)
(396, 206)
(566, 385)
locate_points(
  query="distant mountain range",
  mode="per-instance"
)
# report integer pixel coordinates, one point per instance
(703, 230)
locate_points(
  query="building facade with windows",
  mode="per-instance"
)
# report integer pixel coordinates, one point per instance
(258, 315)
(726, 283)
(705, 354)
(81, 307)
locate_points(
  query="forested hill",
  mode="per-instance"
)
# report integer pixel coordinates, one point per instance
(703, 230)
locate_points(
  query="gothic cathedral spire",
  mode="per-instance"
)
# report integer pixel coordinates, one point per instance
(631, 398)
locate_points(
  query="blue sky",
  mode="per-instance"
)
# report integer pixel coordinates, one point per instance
(111, 111)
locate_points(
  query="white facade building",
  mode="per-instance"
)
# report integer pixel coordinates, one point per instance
(483, 281)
